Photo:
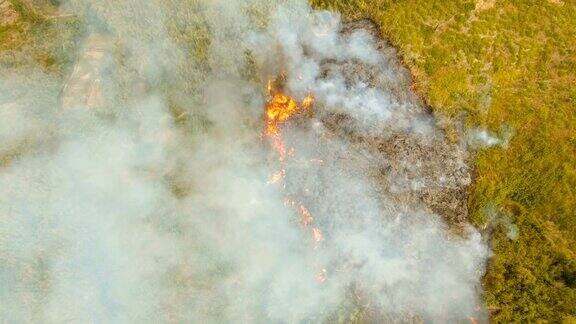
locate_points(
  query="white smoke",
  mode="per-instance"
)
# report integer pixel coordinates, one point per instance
(481, 137)
(121, 214)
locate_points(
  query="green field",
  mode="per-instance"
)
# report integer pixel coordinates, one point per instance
(507, 66)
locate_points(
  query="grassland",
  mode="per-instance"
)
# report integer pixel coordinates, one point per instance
(504, 65)
(499, 65)
(38, 38)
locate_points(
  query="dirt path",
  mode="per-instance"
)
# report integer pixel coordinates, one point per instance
(84, 87)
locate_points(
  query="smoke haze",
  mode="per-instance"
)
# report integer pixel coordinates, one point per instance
(141, 192)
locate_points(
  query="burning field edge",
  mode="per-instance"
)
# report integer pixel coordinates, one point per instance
(503, 66)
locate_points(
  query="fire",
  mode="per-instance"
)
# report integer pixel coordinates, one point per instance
(308, 101)
(322, 276)
(279, 109)
(276, 177)
(317, 235)
(306, 217)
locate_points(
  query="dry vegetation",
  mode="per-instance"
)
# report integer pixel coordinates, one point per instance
(34, 37)
(500, 65)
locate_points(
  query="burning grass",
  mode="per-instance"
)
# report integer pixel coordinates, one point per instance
(352, 187)
(415, 168)
(280, 108)
(532, 180)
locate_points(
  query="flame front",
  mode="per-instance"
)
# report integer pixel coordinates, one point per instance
(280, 108)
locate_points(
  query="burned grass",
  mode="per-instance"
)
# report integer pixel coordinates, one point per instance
(503, 66)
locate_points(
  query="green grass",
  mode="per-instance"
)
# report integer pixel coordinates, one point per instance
(509, 67)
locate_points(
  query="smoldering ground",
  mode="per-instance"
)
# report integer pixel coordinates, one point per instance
(140, 192)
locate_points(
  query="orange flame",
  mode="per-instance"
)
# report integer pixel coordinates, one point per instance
(276, 177)
(306, 216)
(317, 235)
(279, 109)
(322, 276)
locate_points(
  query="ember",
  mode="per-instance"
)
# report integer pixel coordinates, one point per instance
(281, 107)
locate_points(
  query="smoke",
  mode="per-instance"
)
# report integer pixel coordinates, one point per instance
(482, 138)
(153, 204)
(497, 218)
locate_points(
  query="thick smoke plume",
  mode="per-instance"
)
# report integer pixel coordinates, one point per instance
(140, 192)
